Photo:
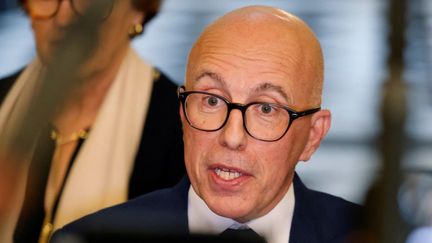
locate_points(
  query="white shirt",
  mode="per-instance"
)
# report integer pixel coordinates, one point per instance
(275, 226)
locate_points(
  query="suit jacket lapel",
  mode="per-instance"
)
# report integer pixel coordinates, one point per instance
(304, 224)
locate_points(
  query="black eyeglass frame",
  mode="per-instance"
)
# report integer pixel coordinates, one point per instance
(182, 95)
(74, 8)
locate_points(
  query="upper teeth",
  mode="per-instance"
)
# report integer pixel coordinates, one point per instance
(227, 174)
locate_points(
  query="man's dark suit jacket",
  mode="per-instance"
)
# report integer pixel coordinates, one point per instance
(158, 163)
(318, 217)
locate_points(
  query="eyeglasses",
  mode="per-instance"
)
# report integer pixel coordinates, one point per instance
(263, 121)
(46, 9)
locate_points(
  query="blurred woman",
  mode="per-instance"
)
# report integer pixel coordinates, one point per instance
(115, 136)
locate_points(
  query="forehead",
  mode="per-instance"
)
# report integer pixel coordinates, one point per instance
(261, 43)
(233, 60)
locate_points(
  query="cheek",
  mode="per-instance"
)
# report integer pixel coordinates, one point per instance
(278, 161)
(42, 37)
(194, 150)
(37, 27)
(116, 27)
(198, 146)
(113, 32)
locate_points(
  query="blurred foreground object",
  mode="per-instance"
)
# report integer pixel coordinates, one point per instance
(78, 112)
(21, 125)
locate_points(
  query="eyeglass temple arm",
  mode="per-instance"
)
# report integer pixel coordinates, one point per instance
(305, 113)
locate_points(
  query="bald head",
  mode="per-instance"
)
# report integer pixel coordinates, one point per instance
(266, 36)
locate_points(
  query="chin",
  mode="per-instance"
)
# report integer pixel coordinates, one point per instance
(230, 209)
(236, 215)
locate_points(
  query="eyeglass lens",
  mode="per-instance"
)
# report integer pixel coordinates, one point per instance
(48, 8)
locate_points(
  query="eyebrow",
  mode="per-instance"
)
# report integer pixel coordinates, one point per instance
(262, 87)
(271, 87)
(213, 76)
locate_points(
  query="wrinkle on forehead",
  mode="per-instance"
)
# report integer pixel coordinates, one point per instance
(264, 86)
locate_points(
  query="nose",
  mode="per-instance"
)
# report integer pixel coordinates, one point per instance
(233, 134)
(65, 13)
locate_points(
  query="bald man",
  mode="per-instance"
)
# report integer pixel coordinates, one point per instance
(250, 110)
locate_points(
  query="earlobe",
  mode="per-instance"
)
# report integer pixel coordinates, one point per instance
(320, 125)
(137, 26)
(136, 30)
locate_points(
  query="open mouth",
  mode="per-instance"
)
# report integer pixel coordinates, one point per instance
(227, 174)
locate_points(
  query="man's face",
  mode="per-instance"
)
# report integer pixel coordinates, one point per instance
(236, 175)
(113, 34)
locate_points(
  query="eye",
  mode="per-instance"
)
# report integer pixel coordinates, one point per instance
(266, 108)
(212, 101)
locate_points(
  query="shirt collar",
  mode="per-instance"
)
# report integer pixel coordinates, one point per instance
(275, 226)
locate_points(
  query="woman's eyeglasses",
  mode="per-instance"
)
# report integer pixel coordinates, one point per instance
(46, 9)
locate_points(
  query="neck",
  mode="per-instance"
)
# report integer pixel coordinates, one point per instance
(84, 101)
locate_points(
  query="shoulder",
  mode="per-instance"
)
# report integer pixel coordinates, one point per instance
(320, 201)
(11, 77)
(163, 85)
(332, 208)
(164, 209)
(7, 82)
(164, 102)
(331, 218)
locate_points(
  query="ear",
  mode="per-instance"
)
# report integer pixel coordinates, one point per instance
(182, 118)
(136, 16)
(320, 124)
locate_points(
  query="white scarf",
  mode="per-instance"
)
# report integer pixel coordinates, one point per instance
(11, 110)
(100, 174)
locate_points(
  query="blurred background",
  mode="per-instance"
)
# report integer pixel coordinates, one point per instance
(378, 56)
